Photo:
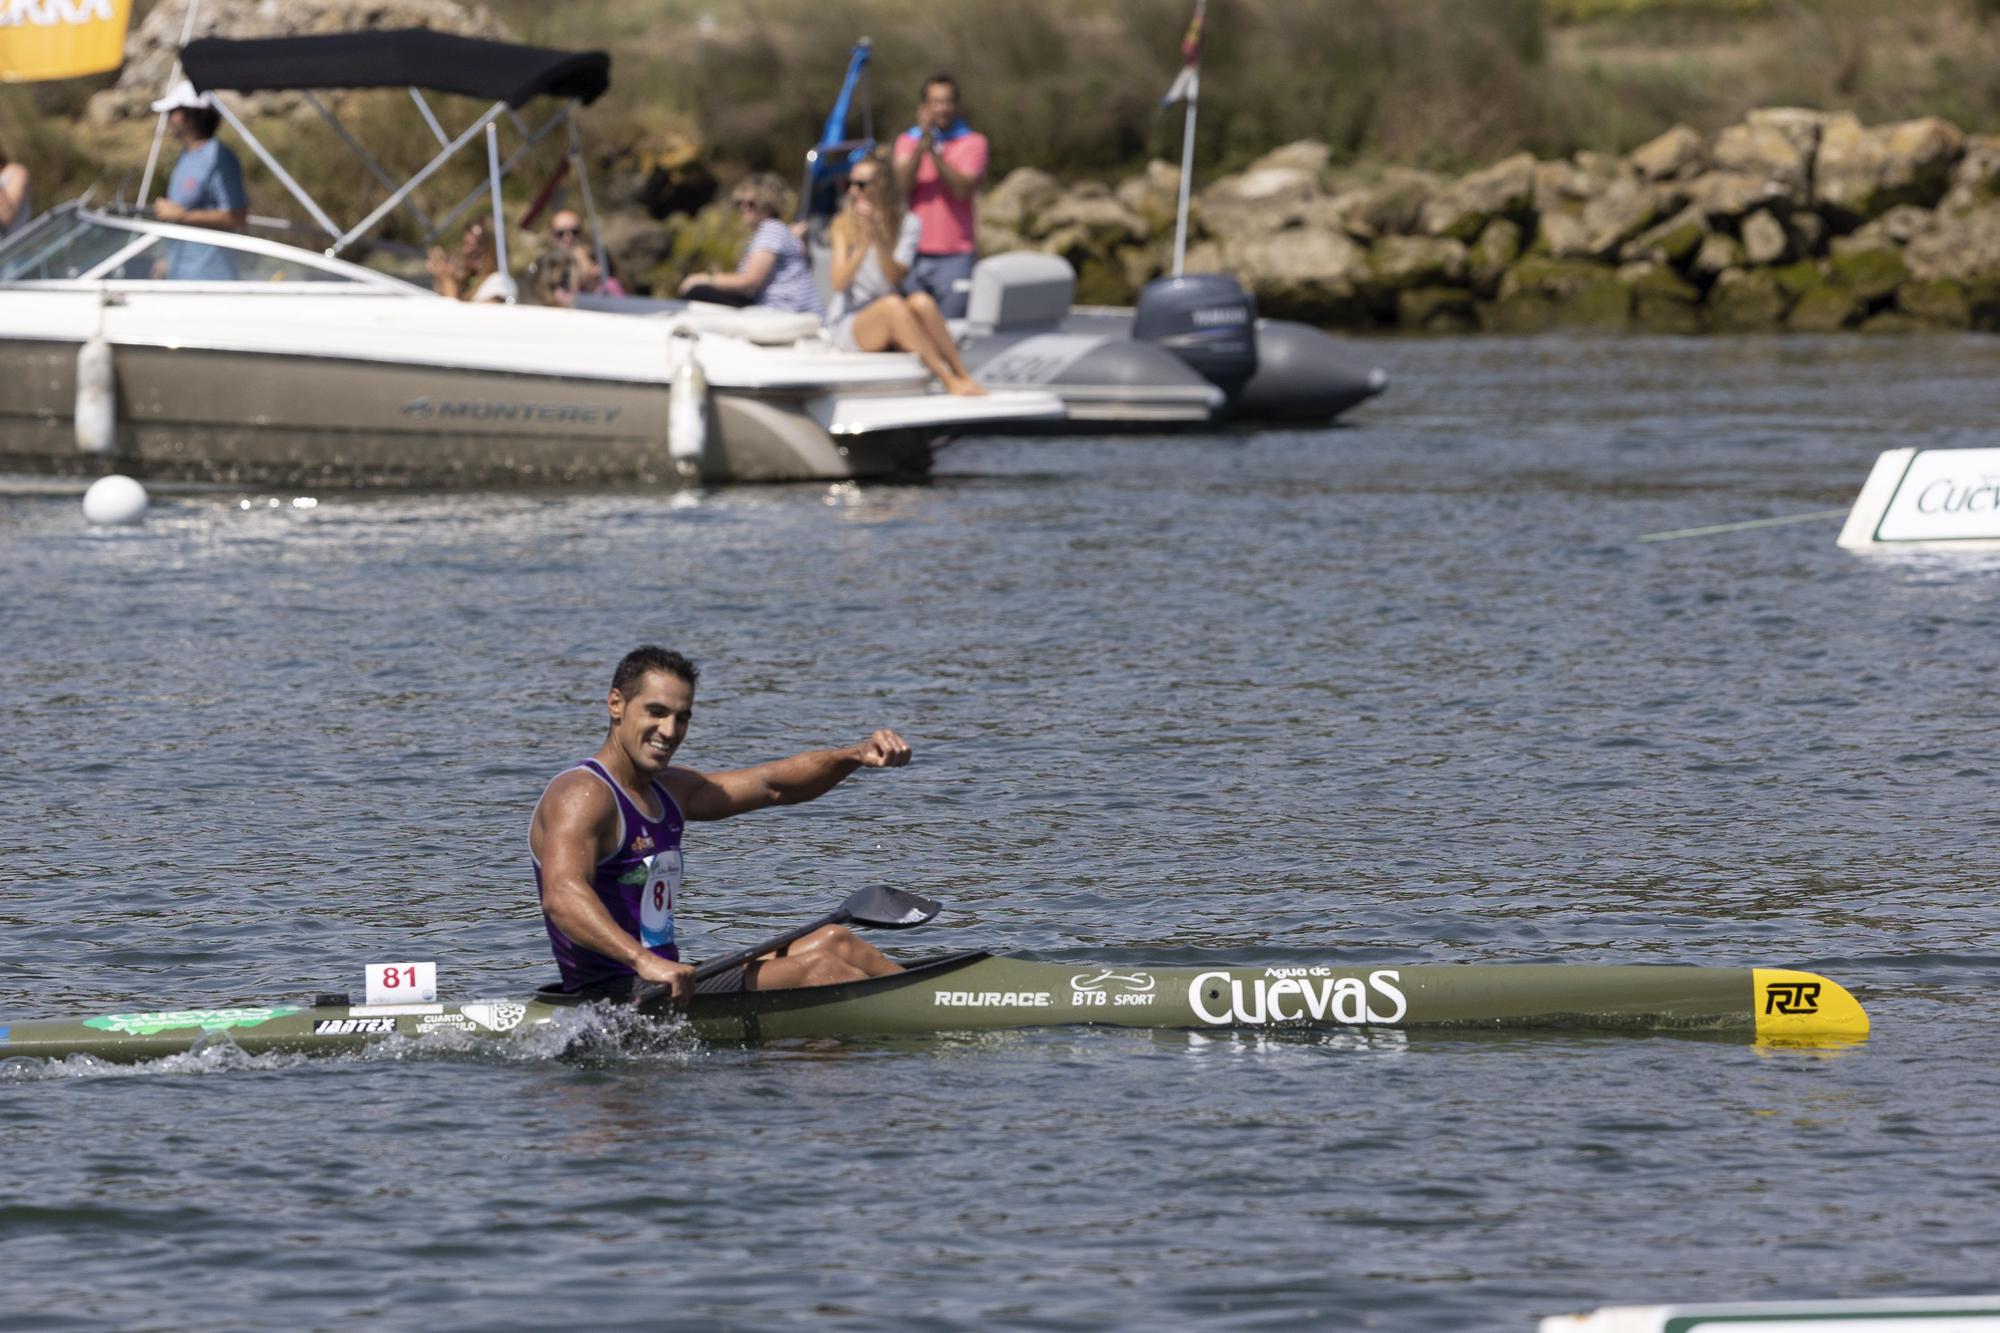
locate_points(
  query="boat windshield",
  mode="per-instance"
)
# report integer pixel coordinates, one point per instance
(76, 247)
(61, 251)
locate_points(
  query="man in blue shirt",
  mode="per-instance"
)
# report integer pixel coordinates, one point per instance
(205, 189)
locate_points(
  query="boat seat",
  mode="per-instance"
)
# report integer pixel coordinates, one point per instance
(755, 324)
(1021, 290)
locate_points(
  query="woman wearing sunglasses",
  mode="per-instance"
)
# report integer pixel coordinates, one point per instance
(874, 243)
(774, 270)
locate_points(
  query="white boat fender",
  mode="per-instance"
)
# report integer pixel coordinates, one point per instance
(115, 501)
(96, 397)
(687, 404)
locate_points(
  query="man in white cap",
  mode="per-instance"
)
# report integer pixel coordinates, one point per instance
(205, 188)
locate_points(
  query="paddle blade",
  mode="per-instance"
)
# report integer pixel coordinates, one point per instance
(885, 908)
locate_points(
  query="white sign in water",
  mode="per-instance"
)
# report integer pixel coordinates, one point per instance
(1941, 497)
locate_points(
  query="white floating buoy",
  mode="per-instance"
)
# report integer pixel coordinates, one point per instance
(687, 409)
(115, 500)
(96, 397)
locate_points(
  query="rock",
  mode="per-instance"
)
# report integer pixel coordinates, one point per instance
(1725, 195)
(635, 244)
(1266, 199)
(1436, 310)
(1935, 302)
(1890, 321)
(996, 240)
(1576, 294)
(1101, 281)
(1647, 278)
(663, 175)
(1669, 242)
(1808, 232)
(1775, 145)
(1461, 209)
(1719, 252)
(1106, 222)
(1153, 195)
(1675, 155)
(1605, 166)
(152, 46)
(1764, 239)
(1662, 300)
(1860, 172)
(1899, 226)
(1347, 213)
(1395, 204)
(1871, 274)
(1561, 184)
(1799, 277)
(1561, 233)
(1625, 208)
(1960, 247)
(1301, 274)
(1819, 305)
(1498, 246)
(1599, 226)
(1016, 201)
(1142, 263)
(1745, 301)
(1396, 262)
(1307, 155)
(1976, 178)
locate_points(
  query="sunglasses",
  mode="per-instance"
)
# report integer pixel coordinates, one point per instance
(859, 182)
(565, 231)
(745, 203)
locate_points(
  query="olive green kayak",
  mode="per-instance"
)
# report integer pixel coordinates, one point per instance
(976, 991)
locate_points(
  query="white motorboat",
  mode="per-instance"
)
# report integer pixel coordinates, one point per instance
(305, 367)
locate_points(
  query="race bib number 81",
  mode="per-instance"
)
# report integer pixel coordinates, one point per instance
(402, 983)
(656, 903)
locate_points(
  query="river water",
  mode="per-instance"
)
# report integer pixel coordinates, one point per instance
(1406, 691)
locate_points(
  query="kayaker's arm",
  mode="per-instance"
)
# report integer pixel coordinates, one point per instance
(803, 777)
(567, 834)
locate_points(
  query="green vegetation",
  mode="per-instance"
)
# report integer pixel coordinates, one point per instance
(1072, 86)
(703, 90)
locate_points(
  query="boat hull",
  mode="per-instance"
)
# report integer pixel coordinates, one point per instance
(976, 991)
(244, 418)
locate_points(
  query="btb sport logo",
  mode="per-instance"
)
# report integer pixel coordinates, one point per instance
(1791, 997)
(1294, 994)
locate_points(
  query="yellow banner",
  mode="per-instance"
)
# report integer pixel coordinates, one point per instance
(61, 39)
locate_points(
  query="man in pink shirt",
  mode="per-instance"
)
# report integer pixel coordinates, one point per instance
(940, 162)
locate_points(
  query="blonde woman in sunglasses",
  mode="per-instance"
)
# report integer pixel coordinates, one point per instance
(874, 242)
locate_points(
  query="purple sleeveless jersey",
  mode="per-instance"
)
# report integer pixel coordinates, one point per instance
(637, 884)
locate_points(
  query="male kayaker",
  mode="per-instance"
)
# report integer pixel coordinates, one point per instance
(606, 840)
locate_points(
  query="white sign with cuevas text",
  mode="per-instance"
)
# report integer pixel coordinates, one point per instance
(1934, 498)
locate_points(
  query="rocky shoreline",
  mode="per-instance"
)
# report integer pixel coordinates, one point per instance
(1793, 219)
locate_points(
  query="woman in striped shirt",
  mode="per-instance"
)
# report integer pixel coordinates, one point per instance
(774, 270)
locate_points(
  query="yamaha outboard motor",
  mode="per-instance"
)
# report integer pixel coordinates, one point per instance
(1205, 319)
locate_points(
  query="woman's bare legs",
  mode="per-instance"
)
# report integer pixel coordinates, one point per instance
(927, 313)
(888, 322)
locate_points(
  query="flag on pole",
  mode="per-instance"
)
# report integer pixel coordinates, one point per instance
(61, 39)
(1187, 84)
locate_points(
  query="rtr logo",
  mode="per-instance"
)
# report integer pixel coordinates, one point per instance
(1791, 997)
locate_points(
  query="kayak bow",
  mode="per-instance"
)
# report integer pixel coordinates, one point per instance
(975, 991)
